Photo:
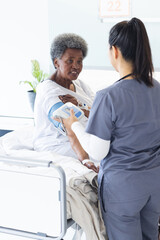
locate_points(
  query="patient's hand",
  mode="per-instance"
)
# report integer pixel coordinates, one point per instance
(91, 165)
(86, 112)
(68, 98)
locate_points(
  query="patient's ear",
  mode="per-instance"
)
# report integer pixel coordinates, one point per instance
(56, 65)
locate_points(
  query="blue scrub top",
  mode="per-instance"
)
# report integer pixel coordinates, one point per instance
(128, 114)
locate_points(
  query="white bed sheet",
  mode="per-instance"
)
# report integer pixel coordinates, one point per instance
(21, 138)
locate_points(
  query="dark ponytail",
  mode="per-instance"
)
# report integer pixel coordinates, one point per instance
(132, 39)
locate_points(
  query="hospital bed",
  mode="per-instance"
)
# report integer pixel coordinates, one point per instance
(33, 198)
(40, 192)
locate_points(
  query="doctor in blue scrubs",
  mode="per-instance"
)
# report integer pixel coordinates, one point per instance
(124, 131)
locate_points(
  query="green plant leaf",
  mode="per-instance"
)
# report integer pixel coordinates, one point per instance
(37, 73)
(30, 83)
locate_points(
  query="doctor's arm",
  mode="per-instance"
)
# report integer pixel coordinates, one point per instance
(96, 147)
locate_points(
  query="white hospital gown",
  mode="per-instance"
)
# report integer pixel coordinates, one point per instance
(46, 136)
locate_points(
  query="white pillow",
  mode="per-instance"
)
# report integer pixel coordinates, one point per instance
(18, 139)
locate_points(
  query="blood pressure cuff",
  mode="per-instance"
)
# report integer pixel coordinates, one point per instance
(57, 124)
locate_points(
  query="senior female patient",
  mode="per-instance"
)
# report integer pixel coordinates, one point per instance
(67, 54)
(125, 122)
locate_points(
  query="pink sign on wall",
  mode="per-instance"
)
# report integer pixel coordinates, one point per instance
(114, 8)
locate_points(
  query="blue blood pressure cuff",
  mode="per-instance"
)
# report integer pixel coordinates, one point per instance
(60, 111)
(57, 124)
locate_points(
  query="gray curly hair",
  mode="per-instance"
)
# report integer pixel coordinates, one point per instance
(64, 41)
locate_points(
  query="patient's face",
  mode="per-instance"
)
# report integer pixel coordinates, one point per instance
(70, 65)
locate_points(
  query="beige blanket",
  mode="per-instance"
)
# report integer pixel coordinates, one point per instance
(82, 199)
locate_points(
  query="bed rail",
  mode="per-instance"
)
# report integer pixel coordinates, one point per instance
(22, 180)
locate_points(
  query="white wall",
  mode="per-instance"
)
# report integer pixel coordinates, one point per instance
(99, 79)
(27, 28)
(82, 17)
(24, 36)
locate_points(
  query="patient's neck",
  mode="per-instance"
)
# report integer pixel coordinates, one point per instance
(66, 83)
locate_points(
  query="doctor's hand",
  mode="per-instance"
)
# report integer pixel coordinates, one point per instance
(69, 98)
(67, 122)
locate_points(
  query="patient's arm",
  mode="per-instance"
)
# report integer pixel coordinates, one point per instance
(81, 154)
